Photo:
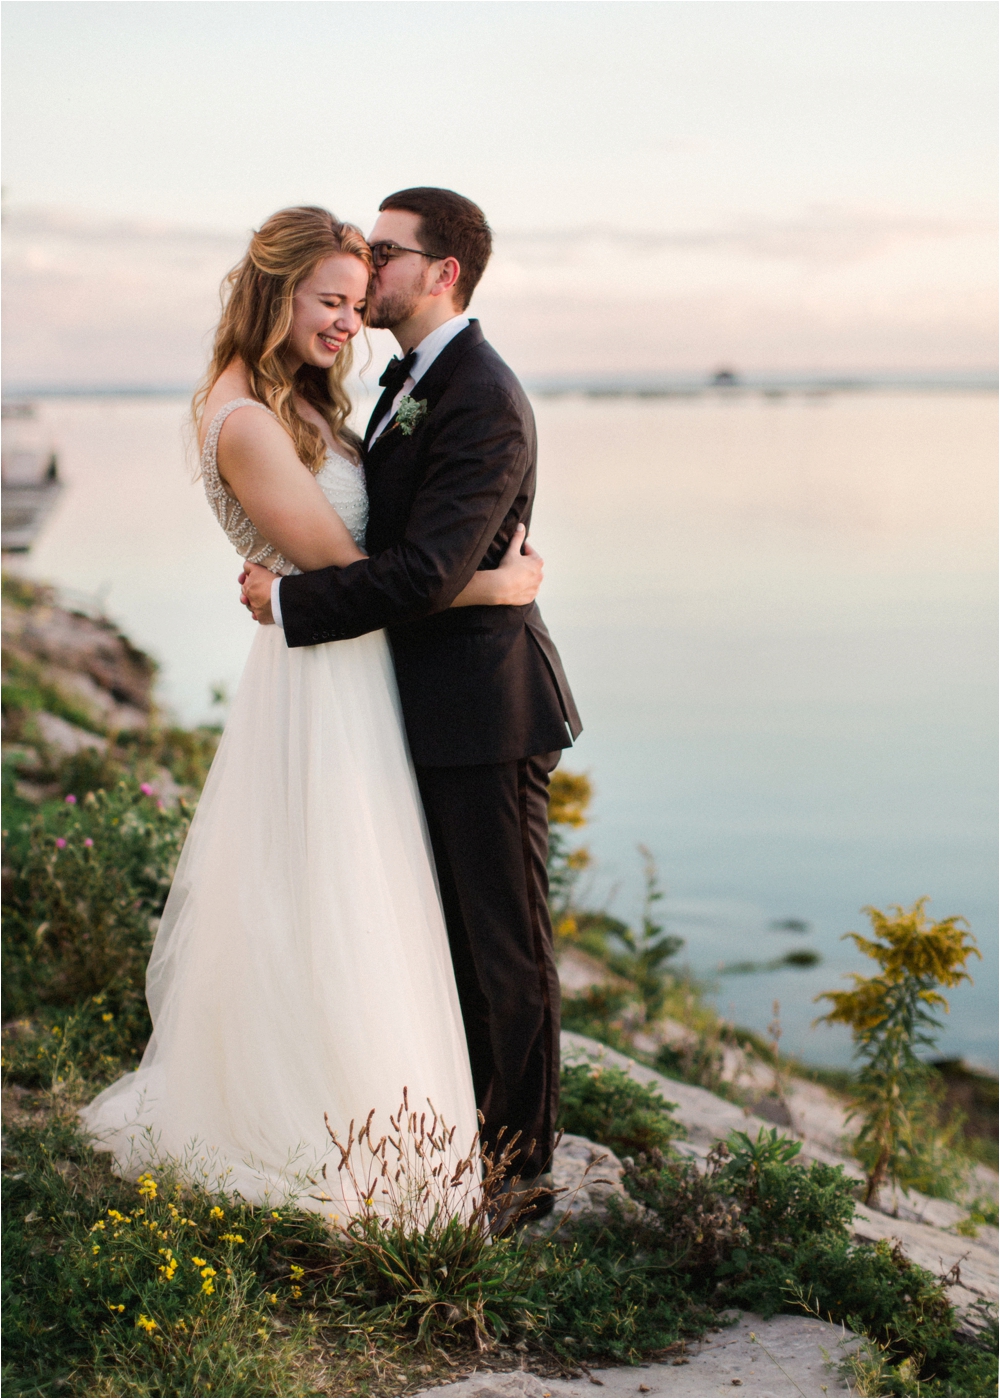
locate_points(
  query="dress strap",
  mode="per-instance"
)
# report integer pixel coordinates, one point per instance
(210, 450)
(228, 511)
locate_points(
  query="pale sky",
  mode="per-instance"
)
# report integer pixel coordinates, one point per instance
(781, 184)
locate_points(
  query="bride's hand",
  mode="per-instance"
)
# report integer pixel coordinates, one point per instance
(514, 583)
(255, 583)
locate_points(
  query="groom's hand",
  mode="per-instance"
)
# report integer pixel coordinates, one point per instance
(519, 573)
(256, 595)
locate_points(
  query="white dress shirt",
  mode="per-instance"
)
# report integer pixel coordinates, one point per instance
(427, 352)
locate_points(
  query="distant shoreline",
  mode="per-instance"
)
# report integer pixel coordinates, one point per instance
(662, 386)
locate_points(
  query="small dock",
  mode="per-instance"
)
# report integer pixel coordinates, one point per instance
(29, 468)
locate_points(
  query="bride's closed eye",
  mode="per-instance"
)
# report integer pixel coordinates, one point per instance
(337, 305)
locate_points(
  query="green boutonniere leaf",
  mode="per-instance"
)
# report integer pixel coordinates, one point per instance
(409, 413)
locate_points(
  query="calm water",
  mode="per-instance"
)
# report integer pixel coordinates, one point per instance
(779, 620)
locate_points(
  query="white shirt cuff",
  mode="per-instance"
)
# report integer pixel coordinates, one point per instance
(276, 602)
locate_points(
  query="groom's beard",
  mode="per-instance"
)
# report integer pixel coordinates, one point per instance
(394, 307)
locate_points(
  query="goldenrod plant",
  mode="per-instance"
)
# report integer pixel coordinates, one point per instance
(570, 795)
(891, 1016)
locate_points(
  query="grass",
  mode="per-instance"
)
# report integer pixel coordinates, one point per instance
(160, 1287)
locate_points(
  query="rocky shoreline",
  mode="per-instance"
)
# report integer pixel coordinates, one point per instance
(785, 1355)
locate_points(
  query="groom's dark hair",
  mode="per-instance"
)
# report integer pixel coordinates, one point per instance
(451, 226)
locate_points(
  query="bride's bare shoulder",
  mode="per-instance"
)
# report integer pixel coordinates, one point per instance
(231, 383)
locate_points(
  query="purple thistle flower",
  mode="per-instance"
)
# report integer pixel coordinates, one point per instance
(60, 843)
(71, 800)
(88, 842)
(146, 789)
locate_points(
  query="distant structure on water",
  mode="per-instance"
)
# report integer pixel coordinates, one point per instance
(30, 474)
(725, 379)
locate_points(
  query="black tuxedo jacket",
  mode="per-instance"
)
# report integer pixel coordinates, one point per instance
(477, 684)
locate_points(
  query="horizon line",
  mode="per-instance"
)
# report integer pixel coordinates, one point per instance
(681, 382)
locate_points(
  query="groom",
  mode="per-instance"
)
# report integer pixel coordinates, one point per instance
(450, 464)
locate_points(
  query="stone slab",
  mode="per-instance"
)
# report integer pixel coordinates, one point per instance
(786, 1356)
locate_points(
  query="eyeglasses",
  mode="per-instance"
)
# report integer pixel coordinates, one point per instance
(385, 252)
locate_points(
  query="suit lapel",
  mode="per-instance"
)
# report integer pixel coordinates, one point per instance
(429, 386)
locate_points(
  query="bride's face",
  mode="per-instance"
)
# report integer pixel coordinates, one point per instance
(327, 311)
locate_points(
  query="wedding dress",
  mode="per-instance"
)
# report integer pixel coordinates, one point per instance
(301, 966)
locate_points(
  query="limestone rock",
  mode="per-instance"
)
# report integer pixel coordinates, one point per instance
(85, 657)
(787, 1355)
(925, 1227)
(587, 1176)
(67, 738)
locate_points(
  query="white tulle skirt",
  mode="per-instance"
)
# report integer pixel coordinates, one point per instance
(301, 967)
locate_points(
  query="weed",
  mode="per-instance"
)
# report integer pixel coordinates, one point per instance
(644, 952)
(891, 1018)
(421, 1248)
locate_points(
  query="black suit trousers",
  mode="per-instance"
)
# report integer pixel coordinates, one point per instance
(489, 831)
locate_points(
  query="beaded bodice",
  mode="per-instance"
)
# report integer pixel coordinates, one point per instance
(340, 480)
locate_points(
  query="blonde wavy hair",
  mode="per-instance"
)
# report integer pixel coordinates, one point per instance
(257, 307)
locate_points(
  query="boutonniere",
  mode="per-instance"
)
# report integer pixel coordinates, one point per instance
(410, 412)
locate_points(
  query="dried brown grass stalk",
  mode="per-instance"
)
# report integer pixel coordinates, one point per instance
(414, 1176)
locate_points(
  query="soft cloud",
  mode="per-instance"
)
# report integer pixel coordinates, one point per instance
(92, 302)
(823, 234)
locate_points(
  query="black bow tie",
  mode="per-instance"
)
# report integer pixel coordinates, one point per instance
(396, 372)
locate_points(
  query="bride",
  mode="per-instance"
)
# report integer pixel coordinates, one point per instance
(301, 966)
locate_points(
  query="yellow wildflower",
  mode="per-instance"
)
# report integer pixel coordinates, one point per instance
(115, 1307)
(146, 1322)
(208, 1272)
(296, 1292)
(295, 1272)
(99, 1225)
(216, 1213)
(207, 1287)
(118, 1218)
(271, 1298)
(107, 1016)
(147, 1186)
(232, 1238)
(96, 1248)
(199, 1262)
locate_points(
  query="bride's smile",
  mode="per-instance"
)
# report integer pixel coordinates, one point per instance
(327, 311)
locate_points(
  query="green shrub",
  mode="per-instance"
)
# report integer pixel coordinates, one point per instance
(86, 892)
(595, 1299)
(608, 1106)
(599, 1014)
(688, 1225)
(759, 1231)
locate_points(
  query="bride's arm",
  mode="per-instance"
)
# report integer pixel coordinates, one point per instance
(282, 497)
(513, 583)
